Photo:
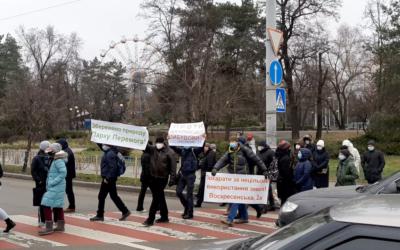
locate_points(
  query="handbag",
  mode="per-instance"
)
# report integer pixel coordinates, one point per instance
(38, 193)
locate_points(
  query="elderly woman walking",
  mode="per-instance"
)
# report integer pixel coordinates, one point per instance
(53, 199)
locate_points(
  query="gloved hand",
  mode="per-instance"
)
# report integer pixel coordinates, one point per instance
(214, 172)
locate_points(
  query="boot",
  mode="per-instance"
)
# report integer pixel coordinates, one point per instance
(60, 226)
(48, 229)
(10, 225)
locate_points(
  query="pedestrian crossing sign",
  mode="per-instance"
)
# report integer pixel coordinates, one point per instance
(280, 100)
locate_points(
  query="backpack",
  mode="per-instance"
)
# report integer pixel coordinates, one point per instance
(121, 164)
(272, 170)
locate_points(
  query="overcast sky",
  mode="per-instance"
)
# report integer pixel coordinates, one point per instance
(97, 22)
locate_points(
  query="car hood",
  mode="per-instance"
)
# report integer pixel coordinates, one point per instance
(217, 245)
(327, 193)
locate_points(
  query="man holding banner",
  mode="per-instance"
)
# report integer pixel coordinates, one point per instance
(187, 140)
(238, 159)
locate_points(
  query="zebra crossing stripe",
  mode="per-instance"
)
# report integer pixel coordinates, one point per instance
(111, 219)
(135, 235)
(28, 225)
(268, 217)
(203, 233)
(251, 222)
(253, 228)
(216, 226)
(7, 244)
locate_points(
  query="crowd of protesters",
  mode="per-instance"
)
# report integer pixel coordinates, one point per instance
(294, 168)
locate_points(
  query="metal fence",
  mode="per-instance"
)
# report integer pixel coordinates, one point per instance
(87, 164)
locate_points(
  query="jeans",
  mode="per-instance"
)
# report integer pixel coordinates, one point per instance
(234, 210)
(157, 186)
(110, 187)
(70, 193)
(186, 200)
(142, 194)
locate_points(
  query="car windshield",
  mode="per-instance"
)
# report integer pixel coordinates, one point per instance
(292, 231)
(375, 187)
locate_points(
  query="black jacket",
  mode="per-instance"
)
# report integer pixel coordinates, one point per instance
(320, 161)
(373, 163)
(208, 161)
(1, 171)
(245, 157)
(71, 171)
(163, 162)
(267, 156)
(285, 184)
(40, 167)
(109, 167)
(145, 161)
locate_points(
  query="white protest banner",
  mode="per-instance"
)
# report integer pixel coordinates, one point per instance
(186, 134)
(118, 134)
(236, 188)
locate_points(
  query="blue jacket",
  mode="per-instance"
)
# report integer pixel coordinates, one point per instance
(302, 172)
(189, 162)
(109, 167)
(55, 183)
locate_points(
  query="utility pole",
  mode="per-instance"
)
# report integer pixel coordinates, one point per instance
(270, 96)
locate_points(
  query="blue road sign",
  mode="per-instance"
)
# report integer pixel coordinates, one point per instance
(280, 100)
(275, 72)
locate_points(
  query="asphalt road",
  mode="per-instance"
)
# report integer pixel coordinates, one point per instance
(16, 199)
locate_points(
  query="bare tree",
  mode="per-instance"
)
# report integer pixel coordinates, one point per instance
(291, 13)
(347, 63)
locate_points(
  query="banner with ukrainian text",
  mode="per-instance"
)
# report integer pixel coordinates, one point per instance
(236, 188)
(187, 134)
(119, 134)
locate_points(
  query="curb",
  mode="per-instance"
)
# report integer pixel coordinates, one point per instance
(93, 185)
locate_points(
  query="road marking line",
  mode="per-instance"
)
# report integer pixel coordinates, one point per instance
(133, 245)
(252, 222)
(135, 235)
(9, 244)
(137, 225)
(268, 217)
(88, 233)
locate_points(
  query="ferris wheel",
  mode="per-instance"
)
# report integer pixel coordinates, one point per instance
(144, 65)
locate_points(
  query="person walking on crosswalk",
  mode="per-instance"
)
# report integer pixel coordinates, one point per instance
(162, 167)
(3, 215)
(109, 174)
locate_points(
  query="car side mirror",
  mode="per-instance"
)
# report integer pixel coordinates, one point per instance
(391, 188)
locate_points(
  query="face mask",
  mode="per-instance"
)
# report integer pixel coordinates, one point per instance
(260, 148)
(159, 145)
(342, 157)
(297, 147)
(307, 142)
(299, 155)
(319, 148)
(105, 147)
(371, 148)
(233, 146)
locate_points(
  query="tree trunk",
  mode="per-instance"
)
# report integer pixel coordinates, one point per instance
(228, 125)
(28, 150)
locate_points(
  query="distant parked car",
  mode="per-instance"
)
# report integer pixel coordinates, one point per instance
(308, 202)
(366, 223)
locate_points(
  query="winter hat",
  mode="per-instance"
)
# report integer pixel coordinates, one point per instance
(371, 143)
(347, 143)
(55, 147)
(44, 145)
(346, 152)
(262, 143)
(284, 145)
(307, 137)
(321, 143)
(160, 139)
(250, 136)
(63, 142)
